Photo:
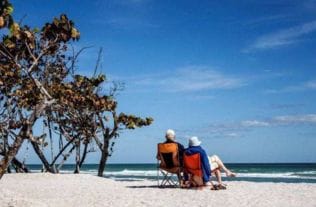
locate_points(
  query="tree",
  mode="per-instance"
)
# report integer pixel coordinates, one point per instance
(38, 84)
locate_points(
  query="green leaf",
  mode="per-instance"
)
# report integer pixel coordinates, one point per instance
(36, 30)
(9, 9)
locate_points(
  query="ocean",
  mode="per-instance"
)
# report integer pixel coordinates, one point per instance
(255, 172)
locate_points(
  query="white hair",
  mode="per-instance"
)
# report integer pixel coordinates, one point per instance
(170, 134)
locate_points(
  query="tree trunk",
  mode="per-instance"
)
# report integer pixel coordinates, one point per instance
(65, 158)
(41, 155)
(24, 134)
(105, 152)
(6, 160)
(20, 166)
(85, 150)
(15, 168)
(61, 152)
(77, 170)
(104, 157)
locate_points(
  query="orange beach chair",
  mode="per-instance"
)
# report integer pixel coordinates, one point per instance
(169, 169)
(193, 168)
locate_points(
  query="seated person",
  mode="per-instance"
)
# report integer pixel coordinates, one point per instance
(171, 138)
(216, 166)
(210, 164)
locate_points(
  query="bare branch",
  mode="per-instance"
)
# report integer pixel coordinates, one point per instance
(75, 56)
(29, 50)
(100, 145)
(98, 62)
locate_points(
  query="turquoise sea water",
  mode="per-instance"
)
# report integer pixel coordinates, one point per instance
(276, 172)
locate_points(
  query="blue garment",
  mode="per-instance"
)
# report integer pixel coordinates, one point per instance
(206, 168)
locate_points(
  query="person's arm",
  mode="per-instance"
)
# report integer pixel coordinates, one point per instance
(181, 149)
(158, 155)
(206, 164)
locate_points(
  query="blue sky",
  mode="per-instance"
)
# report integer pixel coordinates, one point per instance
(239, 75)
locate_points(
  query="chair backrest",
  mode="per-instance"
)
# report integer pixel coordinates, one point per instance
(169, 155)
(192, 164)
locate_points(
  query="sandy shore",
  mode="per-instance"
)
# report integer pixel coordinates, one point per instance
(24, 190)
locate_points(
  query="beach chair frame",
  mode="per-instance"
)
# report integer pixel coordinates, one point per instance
(168, 171)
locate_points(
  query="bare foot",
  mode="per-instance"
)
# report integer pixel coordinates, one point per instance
(186, 184)
(214, 187)
(230, 174)
(221, 187)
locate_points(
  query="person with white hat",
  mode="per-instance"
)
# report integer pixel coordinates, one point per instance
(210, 164)
(194, 147)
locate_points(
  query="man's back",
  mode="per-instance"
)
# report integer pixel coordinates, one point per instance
(180, 150)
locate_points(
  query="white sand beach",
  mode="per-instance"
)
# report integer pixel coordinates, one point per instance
(70, 190)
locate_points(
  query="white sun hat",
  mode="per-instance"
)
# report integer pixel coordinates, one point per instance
(194, 141)
(170, 134)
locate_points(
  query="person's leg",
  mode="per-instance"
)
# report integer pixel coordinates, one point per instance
(180, 179)
(218, 175)
(221, 166)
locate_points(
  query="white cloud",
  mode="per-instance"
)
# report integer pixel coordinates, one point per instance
(283, 37)
(266, 19)
(188, 79)
(254, 123)
(298, 119)
(201, 97)
(287, 89)
(237, 129)
(281, 120)
(311, 84)
(308, 85)
(286, 106)
(201, 78)
(232, 134)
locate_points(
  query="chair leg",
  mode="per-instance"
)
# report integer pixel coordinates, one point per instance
(158, 176)
(168, 179)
